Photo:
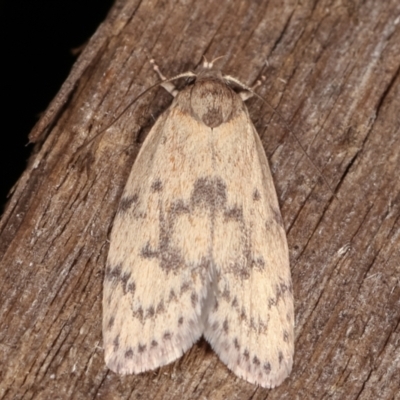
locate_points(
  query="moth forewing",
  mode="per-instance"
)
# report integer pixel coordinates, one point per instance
(198, 245)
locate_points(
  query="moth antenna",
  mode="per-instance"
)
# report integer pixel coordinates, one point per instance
(182, 75)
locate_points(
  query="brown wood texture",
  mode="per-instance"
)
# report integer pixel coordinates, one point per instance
(332, 73)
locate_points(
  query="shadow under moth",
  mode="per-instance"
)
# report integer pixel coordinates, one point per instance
(198, 245)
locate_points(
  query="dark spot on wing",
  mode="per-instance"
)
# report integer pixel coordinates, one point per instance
(194, 299)
(172, 295)
(150, 312)
(124, 281)
(148, 252)
(243, 316)
(267, 368)
(131, 287)
(185, 287)
(260, 262)
(226, 294)
(225, 326)
(235, 302)
(111, 322)
(116, 343)
(235, 214)
(141, 348)
(180, 321)
(178, 207)
(280, 357)
(154, 343)
(256, 195)
(126, 203)
(271, 302)
(240, 268)
(160, 307)
(209, 193)
(277, 216)
(129, 354)
(113, 273)
(236, 344)
(285, 336)
(246, 355)
(256, 361)
(167, 336)
(156, 186)
(138, 314)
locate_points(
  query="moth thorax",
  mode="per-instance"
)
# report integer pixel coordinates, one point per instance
(212, 101)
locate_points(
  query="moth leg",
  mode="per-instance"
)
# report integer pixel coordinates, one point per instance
(168, 86)
(245, 95)
(247, 91)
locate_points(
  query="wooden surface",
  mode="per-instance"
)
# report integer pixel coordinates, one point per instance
(332, 72)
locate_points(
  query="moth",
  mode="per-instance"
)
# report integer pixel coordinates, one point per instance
(198, 245)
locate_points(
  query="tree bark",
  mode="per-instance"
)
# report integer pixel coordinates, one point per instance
(332, 73)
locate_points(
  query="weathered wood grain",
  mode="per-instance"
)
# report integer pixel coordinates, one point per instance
(332, 73)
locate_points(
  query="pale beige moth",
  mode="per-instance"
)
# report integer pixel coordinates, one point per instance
(198, 245)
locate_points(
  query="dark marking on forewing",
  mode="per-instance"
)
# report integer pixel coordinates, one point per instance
(113, 274)
(263, 326)
(235, 213)
(150, 312)
(141, 348)
(139, 314)
(116, 343)
(185, 287)
(129, 353)
(110, 322)
(259, 262)
(156, 186)
(267, 368)
(277, 216)
(154, 343)
(226, 295)
(148, 252)
(131, 287)
(126, 203)
(194, 298)
(285, 336)
(280, 357)
(167, 335)
(209, 193)
(256, 361)
(271, 302)
(256, 195)
(160, 307)
(280, 291)
(177, 208)
(180, 321)
(235, 302)
(169, 256)
(124, 281)
(172, 296)
(225, 326)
